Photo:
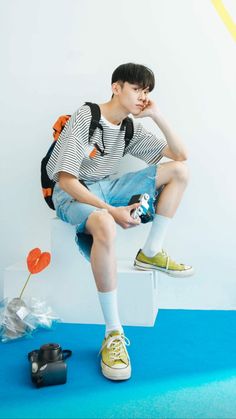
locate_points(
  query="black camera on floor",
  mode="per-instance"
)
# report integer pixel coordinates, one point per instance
(48, 366)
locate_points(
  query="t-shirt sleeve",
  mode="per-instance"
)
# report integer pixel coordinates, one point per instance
(145, 145)
(68, 152)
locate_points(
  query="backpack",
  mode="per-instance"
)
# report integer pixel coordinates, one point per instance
(48, 184)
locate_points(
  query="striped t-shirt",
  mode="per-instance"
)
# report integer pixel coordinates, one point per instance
(72, 152)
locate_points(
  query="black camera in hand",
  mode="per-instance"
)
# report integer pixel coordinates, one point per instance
(48, 366)
(143, 211)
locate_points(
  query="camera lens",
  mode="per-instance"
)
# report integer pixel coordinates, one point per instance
(50, 352)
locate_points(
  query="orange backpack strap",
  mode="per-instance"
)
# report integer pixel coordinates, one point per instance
(59, 125)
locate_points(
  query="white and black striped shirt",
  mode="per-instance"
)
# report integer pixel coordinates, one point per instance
(72, 149)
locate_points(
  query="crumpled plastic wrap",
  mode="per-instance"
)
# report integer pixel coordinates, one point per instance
(18, 319)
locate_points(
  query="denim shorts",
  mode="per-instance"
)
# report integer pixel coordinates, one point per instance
(116, 192)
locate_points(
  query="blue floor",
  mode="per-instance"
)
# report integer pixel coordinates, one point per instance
(184, 367)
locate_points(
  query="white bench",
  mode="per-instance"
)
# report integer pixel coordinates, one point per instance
(69, 287)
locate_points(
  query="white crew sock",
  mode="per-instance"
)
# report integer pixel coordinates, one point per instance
(108, 301)
(156, 236)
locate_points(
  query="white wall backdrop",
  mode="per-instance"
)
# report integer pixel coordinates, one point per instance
(57, 54)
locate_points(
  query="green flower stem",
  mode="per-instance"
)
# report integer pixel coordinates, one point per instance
(25, 285)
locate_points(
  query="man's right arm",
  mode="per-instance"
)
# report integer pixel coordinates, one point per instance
(79, 192)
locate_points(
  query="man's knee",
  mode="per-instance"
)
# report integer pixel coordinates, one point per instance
(169, 171)
(101, 225)
(180, 171)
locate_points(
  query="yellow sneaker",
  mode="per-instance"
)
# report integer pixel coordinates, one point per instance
(162, 262)
(115, 360)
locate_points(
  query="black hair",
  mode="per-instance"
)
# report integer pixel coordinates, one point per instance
(134, 74)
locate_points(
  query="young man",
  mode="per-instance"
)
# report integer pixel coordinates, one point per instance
(100, 202)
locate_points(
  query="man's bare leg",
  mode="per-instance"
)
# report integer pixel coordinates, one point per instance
(174, 176)
(102, 227)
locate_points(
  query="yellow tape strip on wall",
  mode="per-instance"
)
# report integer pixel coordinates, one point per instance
(225, 16)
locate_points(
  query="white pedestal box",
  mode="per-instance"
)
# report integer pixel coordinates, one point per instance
(68, 286)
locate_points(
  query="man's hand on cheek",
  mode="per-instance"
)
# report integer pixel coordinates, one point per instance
(149, 108)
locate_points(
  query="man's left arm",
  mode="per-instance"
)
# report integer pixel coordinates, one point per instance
(174, 149)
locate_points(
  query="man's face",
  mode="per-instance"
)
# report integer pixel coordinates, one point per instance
(132, 97)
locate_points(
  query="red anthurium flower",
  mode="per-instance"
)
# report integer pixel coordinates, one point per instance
(37, 260)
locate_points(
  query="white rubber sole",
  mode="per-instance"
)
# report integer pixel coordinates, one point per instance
(116, 374)
(177, 274)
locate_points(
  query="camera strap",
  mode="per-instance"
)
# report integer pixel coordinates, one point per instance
(66, 353)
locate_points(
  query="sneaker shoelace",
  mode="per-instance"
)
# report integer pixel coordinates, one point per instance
(165, 254)
(117, 343)
(168, 259)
